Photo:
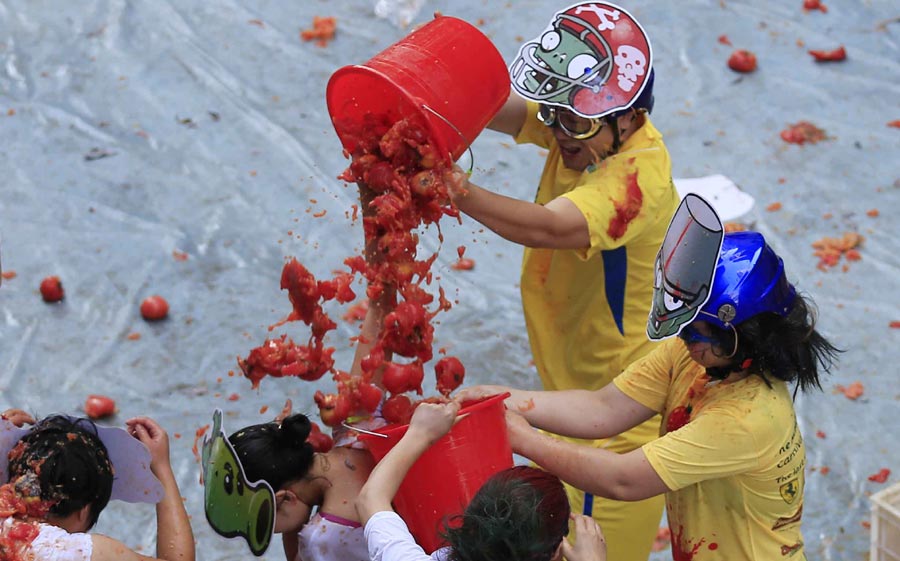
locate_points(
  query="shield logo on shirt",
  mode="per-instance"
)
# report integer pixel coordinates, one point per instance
(790, 490)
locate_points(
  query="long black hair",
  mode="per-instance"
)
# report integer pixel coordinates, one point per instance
(519, 514)
(70, 463)
(786, 347)
(275, 453)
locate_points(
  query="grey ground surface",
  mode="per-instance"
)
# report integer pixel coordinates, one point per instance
(211, 116)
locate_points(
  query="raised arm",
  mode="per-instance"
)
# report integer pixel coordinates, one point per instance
(429, 423)
(511, 116)
(174, 540)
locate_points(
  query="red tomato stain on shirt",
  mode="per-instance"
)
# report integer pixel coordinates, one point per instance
(679, 549)
(628, 210)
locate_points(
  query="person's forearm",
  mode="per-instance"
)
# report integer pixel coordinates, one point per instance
(518, 221)
(511, 116)
(573, 413)
(379, 490)
(590, 469)
(175, 540)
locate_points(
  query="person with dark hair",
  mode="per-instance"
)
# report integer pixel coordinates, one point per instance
(730, 456)
(583, 91)
(519, 514)
(278, 453)
(60, 478)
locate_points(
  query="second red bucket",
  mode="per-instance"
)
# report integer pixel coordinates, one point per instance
(447, 71)
(446, 477)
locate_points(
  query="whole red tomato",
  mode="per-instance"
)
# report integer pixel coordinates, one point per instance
(450, 373)
(398, 409)
(320, 441)
(99, 406)
(742, 61)
(400, 378)
(52, 289)
(154, 308)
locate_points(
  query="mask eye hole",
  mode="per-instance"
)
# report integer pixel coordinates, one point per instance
(581, 65)
(672, 302)
(550, 40)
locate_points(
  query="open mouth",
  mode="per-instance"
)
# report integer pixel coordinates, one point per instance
(569, 151)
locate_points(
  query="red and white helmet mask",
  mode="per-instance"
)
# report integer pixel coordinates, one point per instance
(594, 59)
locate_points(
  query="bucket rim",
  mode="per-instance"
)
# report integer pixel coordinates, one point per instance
(424, 110)
(469, 407)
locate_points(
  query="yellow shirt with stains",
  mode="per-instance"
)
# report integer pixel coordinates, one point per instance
(735, 466)
(586, 310)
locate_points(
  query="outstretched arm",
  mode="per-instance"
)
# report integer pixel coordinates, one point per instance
(576, 413)
(556, 225)
(511, 116)
(622, 477)
(430, 422)
(379, 306)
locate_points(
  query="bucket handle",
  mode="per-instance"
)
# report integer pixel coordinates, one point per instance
(364, 431)
(459, 132)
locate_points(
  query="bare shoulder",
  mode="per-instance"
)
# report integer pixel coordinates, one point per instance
(106, 548)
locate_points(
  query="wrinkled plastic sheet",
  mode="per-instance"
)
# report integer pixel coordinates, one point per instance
(135, 129)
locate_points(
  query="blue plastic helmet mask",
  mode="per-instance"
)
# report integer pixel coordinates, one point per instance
(685, 267)
(749, 280)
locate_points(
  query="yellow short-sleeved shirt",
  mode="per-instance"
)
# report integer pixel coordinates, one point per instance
(586, 311)
(736, 466)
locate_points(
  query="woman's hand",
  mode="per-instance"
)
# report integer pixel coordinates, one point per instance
(590, 545)
(456, 179)
(433, 420)
(17, 417)
(154, 437)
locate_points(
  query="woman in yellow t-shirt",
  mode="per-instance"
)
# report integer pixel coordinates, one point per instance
(730, 456)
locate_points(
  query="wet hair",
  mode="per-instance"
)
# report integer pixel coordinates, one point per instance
(786, 347)
(277, 454)
(519, 514)
(70, 463)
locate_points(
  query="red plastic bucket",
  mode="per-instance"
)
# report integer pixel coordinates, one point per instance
(446, 477)
(447, 72)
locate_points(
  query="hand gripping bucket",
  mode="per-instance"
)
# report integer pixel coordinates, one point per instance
(446, 477)
(447, 72)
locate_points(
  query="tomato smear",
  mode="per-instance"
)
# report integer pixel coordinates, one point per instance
(895, 124)
(197, 438)
(679, 549)
(463, 264)
(810, 5)
(774, 207)
(834, 55)
(824, 470)
(820, 434)
(663, 539)
(894, 325)
(628, 210)
(803, 132)
(9, 275)
(179, 255)
(322, 31)
(723, 39)
(853, 392)
(830, 250)
(881, 476)
(356, 312)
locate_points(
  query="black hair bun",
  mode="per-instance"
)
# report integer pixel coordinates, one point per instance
(295, 430)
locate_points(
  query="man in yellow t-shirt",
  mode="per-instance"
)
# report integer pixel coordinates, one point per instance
(592, 234)
(732, 457)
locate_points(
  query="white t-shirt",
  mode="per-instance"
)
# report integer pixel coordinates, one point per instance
(55, 544)
(389, 539)
(326, 537)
